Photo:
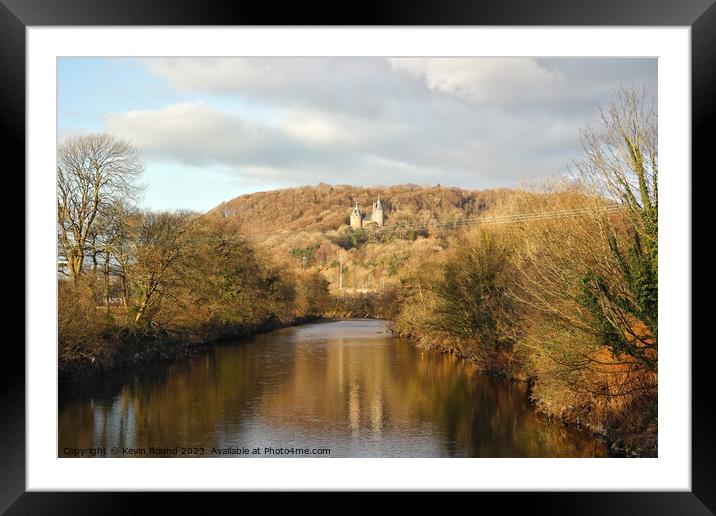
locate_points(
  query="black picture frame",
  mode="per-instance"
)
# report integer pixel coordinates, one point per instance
(700, 15)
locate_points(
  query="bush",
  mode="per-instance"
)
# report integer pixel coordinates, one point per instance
(459, 301)
(472, 293)
(312, 297)
(351, 238)
(83, 327)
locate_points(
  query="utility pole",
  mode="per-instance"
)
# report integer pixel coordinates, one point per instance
(340, 281)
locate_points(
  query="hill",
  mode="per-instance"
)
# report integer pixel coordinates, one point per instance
(324, 207)
(307, 228)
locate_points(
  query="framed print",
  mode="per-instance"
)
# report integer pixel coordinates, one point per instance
(414, 250)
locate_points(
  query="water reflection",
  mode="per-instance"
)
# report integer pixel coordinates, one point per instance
(342, 385)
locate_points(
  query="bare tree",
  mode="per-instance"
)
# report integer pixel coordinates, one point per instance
(620, 158)
(164, 242)
(120, 245)
(93, 172)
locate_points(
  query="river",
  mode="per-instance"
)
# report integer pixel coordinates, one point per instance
(339, 389)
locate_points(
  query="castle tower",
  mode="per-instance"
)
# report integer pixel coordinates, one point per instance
(356, 218)
(377, 215)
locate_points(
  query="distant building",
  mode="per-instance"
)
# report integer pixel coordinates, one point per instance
(358, 220)
(356, 217)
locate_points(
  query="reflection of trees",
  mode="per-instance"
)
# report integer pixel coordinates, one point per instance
(180, 404)
(369, 388)
(324, 388)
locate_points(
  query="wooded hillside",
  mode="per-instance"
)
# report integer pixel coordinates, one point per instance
(326, 207)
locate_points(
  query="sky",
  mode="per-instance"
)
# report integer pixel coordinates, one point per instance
(211, 129)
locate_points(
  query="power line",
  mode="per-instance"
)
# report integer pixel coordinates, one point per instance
(503, 219)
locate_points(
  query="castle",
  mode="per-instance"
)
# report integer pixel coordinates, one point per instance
(376, 217)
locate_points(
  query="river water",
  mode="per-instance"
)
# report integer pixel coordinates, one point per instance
(340, 389)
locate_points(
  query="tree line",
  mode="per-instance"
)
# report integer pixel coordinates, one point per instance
(129, 277)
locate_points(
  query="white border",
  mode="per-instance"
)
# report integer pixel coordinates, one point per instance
(670, 471)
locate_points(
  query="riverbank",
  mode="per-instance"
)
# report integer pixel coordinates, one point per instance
(133, 349)
(621, 443)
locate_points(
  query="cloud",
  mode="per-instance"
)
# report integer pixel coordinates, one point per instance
(486, 80)
(363, 85)
(472, 122)
(314, 128)
(196, 134)
(308, 146)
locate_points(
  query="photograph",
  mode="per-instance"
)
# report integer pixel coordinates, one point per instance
(410, 249)
(357, 257)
